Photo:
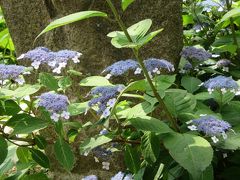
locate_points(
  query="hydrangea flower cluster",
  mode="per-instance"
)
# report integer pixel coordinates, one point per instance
(186, 68)
(224, 64)
(56, 104)
(210, 126)
(102, 153)
(221, 83)
(194, 54)
(105, 98)
(12, 72)
(154, 66)
(56, 60)
(122, 176)
(121, 67)
(90, 177)
(208, 5)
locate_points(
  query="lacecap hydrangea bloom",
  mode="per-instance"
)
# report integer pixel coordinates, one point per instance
(55, 60)
(208, 5)
(12, 72)
(195, 54)
(154, 66)
(105, 97)
(121, 67)
(90, 177)
(122, 176)
(221, 83)
(210, 126)
(56, 104)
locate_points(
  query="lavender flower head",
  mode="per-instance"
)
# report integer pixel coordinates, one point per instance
(105, 97)
(90, 177)
(211, 126)
(194, 54)
(122, 176)
(102, 153)
(154, 66)
(55, 60)
(208, 5)
(221, 83)
(12, 72)
(121, 67)
(56, 104)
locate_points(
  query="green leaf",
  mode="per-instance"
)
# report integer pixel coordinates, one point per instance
(64, 154)
(150, 147)
(94, 81)
(49, 81)
(231, 112)
(23, 154)
(92, 143)
(187, 19)
(77, 108)
(191, 84)
(163, 82)
(137, 33)
(37, 176)
(231, 143)
(24, 123)
(3, 149)
(9, 107)
(40, 141)
(72, 18)
(40, 158)
(193, 153)
(64, 83)
(179, 101)
(126, 3)
(26, 90)
(221, 98)
(230, 14)
(146, 123)
(140, 85)
(132, 159)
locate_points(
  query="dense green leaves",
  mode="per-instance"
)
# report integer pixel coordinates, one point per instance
(231, 143)
(23, 154)
(191, 152)
(72, 18)
(64, 154)
(9, 107)
(24, 123)
(3, 149)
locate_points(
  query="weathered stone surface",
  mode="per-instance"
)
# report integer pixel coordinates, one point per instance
(27, 18)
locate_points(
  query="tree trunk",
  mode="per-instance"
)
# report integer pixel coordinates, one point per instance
(27, 18)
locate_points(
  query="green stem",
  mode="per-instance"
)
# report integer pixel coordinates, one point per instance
(140, 60)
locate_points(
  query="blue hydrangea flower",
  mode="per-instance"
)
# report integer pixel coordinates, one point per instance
(194, 54)
(155, 66)
(105, 97)
(102, 153)
(121, 67)
(55, 60)
(208, 5)
(221, 83)
(122, 176)
(56, 104)
(12, 72)
(104, 132)
(211, 126)
(90, 177)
